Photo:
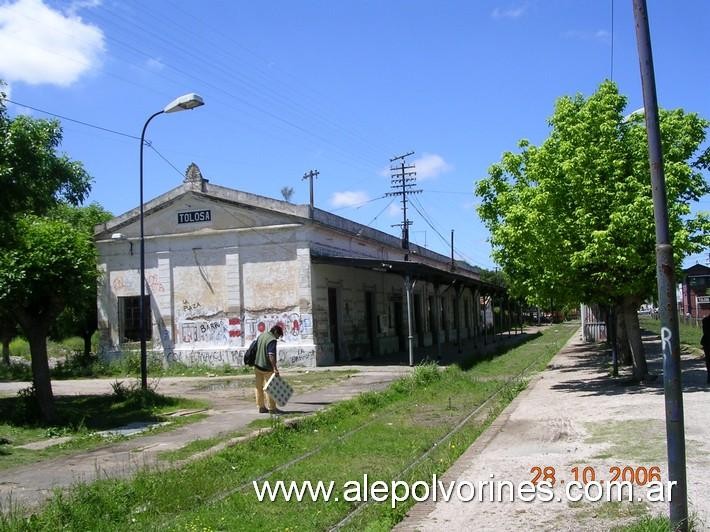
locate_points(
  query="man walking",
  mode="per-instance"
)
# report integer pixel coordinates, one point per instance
(265, 366)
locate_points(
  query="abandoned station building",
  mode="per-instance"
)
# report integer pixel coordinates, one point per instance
(223, 265)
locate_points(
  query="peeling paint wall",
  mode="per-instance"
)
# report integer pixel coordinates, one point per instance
(215, 284)
(214, 291)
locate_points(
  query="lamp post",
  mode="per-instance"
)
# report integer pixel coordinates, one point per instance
(183, 103)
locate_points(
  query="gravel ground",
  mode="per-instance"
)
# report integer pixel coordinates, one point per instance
(574, 414)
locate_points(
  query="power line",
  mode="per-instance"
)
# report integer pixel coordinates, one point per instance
(94, 126)
(427, 219)
(108, 130)
(358, 205)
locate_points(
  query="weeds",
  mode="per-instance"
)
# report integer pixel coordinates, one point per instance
(380, 433)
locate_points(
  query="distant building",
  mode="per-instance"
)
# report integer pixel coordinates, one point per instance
(695, 292)
(223, 265)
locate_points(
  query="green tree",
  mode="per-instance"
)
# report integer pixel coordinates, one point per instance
(79, 317)
(572, 219)
(44, 262)
(8, 330)
(34, 178)
(50, 263)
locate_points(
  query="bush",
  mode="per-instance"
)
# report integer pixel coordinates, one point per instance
(74, 344)
(26, 407)
(15, 372)
(19, 347)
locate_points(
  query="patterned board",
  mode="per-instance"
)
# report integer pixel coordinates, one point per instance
(279, 390)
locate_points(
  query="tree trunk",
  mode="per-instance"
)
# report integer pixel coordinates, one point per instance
(87, 345)
(622, 338)
(631, 320)
(37, 337)
(6, 351)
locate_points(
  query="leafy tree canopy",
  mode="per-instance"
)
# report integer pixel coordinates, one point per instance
(573, 218)
(33, 177)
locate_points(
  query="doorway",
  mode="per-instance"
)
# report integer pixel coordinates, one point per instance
(370, 323)
(398, 326)
(333, 322)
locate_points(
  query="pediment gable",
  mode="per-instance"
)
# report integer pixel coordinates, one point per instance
(186, 210)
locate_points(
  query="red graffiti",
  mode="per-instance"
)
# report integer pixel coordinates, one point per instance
(296, 326)
(233, 334)
(234, 321)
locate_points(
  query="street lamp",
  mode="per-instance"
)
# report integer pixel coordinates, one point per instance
(183, 103)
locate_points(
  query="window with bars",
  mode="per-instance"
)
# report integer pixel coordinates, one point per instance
(129, 318)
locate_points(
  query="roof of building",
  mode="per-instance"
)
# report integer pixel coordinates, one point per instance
(195, 183)
(695, 270)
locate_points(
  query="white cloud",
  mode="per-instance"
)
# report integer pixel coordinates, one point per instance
(42, 45)
(430, 166)
(348, 198)
(78, 5)
(598, 35)
(510, 12)
(155, 64)
(394, 210)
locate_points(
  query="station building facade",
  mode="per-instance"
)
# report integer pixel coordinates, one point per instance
(222, 265)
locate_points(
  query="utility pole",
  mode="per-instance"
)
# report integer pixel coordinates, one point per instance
(403, 183)
(404, 178)
(670, 341)
(310, 175)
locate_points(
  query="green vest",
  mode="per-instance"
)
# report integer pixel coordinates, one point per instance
(261, 343)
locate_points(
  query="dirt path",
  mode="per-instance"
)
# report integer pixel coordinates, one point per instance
(573, 414)
(232, 408)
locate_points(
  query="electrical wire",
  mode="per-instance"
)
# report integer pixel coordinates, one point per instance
(100, 128)
(357, 205)
(108, 130)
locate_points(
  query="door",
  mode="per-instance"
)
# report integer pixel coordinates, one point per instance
(333, 322)
(370, 323)
(418, 322)
(433, 322)
(398, 325)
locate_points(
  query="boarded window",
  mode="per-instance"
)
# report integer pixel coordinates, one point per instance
(129, 318)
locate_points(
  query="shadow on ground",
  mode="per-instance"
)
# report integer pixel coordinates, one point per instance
(598, 358)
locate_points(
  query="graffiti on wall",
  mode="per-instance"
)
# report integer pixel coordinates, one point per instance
(217, 331)
(235, 357)
(198, 324)
(296, 326)
(131, 283)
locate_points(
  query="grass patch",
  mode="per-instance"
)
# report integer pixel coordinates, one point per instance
(656, 524)
(80, 418)
(380, 434)
(522, 356)
(689, 334)
(639, 440)
(610, 510)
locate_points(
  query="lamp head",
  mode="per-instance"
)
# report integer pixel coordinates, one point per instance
(184, 103)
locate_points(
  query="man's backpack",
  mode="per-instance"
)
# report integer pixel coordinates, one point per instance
(250, 354)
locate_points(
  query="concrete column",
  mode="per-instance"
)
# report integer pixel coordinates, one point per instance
(233, 286)
(162, 293)
(305, 301)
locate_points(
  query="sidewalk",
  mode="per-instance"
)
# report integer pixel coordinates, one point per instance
(574, 414)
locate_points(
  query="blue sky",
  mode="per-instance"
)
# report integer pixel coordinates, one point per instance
(334, 85)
